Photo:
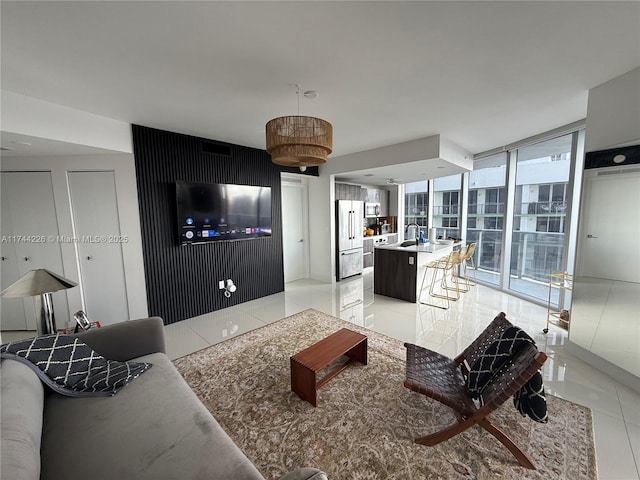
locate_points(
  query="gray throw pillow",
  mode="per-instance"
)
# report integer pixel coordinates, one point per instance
(70, 367)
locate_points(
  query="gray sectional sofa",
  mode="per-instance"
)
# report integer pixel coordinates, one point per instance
(155, 428)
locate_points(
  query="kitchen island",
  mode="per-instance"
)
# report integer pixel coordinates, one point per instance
(399, 270)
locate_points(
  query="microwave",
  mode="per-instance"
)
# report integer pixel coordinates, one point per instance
(371, 209)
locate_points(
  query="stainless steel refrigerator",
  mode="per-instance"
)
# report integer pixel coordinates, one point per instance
(349, 221)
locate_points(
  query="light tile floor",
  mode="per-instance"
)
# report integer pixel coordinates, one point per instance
(616, 408)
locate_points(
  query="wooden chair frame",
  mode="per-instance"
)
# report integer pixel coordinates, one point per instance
(443, 379)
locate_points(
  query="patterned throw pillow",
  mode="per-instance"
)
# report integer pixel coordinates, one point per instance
(70, 367)
(510, 342)
(530, 400)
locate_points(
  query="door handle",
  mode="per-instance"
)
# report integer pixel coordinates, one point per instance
(353, 304)
(301, 240)
(353, 234)
(591, 236)
(350, 225)
(4, 258)
(26, 259)
(89, 258)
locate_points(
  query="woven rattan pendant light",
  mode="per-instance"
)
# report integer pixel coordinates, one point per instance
(299, 141)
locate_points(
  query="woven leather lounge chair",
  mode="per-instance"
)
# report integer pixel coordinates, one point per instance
(443, 379)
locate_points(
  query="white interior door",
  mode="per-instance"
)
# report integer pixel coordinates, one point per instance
(293, 231)
(610, 222)
(99, 247)
(30, 241)
(12, 311)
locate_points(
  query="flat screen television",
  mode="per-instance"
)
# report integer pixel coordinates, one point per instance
(211, 212)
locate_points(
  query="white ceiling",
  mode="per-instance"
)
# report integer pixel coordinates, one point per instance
(18, 145)
(481, 74)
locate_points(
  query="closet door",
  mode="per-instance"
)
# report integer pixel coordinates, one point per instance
(29, 242)
(99, 246)
(13, 315)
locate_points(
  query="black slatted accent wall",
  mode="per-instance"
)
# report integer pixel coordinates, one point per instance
(182, 281)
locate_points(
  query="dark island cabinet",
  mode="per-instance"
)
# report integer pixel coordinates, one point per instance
(395, 274)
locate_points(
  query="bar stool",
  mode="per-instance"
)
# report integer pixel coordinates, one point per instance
(471, 250)
(456, 268)
(442, 268)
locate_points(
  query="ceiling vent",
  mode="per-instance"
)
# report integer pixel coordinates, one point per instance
(216, 149)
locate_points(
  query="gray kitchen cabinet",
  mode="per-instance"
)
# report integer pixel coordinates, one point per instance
(373, 195)
(384, 203)
(378, 195)
(346, 191)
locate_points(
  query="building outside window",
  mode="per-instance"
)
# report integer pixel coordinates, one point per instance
(416, 204)
(472, 204)
(446, 205)
(494, 201)
(549, 224)
(450, 203)
(493, 223)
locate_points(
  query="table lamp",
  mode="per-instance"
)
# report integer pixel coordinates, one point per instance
(40, 284)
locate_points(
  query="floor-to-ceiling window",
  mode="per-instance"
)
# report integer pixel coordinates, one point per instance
(537, 246)
(485, 215)
(516, 209)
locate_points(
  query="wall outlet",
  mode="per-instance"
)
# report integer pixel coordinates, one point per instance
(411, 260)
(221, 284)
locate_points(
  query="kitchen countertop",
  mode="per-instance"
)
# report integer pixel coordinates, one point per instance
(382, 235)
(423, 247)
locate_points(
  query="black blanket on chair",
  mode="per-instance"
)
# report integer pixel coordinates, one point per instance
(530, 400)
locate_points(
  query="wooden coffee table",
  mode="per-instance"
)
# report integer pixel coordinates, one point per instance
(306, 364)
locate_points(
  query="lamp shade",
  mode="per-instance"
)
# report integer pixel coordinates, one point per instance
(37, 282)
(299, 141)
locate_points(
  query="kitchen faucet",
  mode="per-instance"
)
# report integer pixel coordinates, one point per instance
(417, 229)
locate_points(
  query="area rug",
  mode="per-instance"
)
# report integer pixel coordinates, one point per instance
(366, 421)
